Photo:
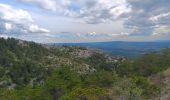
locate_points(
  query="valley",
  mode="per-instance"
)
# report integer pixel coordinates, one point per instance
(35, 71)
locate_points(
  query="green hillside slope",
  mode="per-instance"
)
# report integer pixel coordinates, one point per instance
(31, 71)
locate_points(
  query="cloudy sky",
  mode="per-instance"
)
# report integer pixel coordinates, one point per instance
(85, 20)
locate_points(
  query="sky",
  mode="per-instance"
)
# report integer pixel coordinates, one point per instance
(70, 21)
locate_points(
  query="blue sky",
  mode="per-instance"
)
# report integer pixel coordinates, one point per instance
(85, 20)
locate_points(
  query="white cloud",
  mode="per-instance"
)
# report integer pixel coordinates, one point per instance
(146, 15)
(8, 26)
(53, 5)
(91, 11)
(106, 14)
(124, 34)
(113, 18)
(161, 30)
(15, 15)
(157, 17)
(35, 28)
(92, 34)
(116, 8)
(100, 35)
(17, 21)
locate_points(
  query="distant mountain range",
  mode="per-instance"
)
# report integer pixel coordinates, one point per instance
(127, 49)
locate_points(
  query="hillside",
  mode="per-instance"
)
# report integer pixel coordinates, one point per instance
(127, 49)
(31, 71)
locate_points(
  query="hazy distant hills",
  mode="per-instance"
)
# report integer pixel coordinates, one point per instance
(128, 49)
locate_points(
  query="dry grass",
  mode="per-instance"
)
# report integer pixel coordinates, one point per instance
(166, 73)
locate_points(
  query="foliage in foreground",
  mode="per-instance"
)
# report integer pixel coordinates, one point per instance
(29, 71)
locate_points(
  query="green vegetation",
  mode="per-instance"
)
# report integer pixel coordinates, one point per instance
(30, 71)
